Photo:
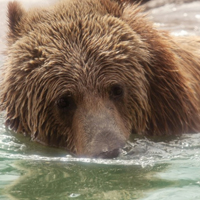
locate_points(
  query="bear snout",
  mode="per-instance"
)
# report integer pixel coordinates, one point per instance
(109, 154)
(100, 131)
(107, 144)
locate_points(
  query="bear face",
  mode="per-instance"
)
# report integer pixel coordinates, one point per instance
(80, 75)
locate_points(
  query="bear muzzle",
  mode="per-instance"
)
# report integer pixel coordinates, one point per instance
(100, 134)
(107, 144)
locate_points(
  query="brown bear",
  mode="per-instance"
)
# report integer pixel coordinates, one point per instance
(84, 75)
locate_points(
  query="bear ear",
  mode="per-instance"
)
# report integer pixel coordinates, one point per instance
(15, 14)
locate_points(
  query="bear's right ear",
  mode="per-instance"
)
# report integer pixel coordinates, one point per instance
(15, 14)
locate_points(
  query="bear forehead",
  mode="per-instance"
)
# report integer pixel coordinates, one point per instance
(88, 45)
(75, 28)
(79, 44)
(96, 35)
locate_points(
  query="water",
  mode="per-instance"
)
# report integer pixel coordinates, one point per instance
(151, 168)
(154, 168)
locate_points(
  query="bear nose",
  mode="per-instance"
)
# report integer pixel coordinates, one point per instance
(109, 154)
(107, 145)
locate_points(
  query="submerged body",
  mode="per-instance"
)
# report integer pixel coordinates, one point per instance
(84, 75)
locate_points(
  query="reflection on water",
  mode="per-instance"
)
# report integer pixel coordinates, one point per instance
(65, 180)
(148, 169)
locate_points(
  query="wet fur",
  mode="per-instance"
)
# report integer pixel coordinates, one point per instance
(80, 49)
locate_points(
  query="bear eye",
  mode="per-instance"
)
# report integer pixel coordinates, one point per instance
(116, 91)
(64, 102)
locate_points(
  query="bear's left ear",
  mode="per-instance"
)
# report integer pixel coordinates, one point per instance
(15, 14)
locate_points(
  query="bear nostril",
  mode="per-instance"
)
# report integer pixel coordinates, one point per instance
(109, 154)
(106, 144)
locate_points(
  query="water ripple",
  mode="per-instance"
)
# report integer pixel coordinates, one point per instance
(143, 152)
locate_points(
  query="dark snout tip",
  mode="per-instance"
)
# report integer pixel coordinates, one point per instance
(107, 145)
(109, 154)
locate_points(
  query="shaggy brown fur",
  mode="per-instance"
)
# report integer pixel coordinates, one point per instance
(84, 75)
